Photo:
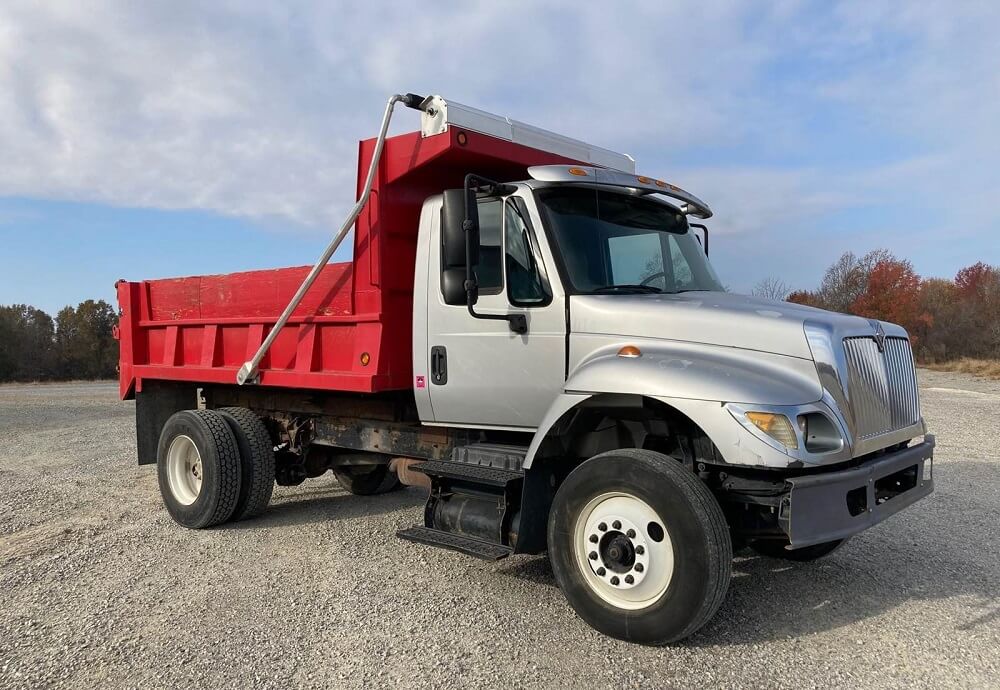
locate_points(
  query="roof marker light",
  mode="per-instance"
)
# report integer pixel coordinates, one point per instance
(630, 352)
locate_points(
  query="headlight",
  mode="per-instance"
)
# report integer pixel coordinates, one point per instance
(775, 425)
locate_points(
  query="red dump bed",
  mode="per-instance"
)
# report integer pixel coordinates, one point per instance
(352, 332)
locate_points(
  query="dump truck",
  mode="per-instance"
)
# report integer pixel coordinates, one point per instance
(533, 332)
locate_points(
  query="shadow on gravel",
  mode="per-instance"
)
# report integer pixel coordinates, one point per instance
(770, 599)
(327, 505)
(773, 600)
(535, 569)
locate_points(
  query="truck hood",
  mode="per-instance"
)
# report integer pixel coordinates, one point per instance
(713, 318)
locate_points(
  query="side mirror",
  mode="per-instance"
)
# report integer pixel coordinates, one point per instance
(704, 230)
(460, 248)
(457, 204)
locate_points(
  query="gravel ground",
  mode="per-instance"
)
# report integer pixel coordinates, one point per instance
(98, 587)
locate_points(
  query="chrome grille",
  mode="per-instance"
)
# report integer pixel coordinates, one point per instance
(882, 386)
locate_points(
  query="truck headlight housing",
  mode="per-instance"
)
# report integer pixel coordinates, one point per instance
(775, 425)
(808, 432)
(819, 433)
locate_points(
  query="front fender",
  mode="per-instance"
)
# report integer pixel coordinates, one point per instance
(695, 379)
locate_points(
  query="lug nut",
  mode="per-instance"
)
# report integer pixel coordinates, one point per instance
(629, 579)
(601, 571)
(630, 534)
(640, 549)
(614, 581)
(594, 539)
(593, 555)
(617, 524)
(602, 527)
(639, 567)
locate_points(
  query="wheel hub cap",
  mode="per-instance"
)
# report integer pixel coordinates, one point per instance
(185, 472)
(624, 550)
(617, 552)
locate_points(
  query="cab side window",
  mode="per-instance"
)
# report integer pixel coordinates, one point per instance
(526, 286)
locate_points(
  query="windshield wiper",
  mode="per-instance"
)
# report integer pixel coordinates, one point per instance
(627, 287)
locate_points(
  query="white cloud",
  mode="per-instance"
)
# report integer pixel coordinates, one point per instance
(255, 109)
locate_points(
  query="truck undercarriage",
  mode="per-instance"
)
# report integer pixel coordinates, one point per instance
(480, 491)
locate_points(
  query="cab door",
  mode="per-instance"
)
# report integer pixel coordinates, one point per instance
(480, 373)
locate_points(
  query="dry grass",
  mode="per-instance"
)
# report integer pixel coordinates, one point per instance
(986, 368)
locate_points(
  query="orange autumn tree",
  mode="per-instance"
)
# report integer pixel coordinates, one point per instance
(977, 281)
(892, 294)
(810, 299)
(946, 319)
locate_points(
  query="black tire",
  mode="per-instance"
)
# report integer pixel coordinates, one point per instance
(257, 456)
(775, 548)
(692, 518)
(221, 469)
(367, 480)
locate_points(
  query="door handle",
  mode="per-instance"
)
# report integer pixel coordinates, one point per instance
(439, 365)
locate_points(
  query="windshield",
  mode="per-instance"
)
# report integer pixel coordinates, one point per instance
(611, 242)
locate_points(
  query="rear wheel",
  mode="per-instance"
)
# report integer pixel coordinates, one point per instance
(198, 468)
(776, 549)
(367, 480)
(639, 546)
(257, 459)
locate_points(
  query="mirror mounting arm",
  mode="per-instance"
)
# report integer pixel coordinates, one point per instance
(704, 230)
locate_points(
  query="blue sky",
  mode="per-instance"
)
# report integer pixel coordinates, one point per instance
(163, 138)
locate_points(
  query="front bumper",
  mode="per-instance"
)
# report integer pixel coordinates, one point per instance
(835, 505)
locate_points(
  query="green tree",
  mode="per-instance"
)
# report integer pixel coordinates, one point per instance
(84, 341)
(26, 344)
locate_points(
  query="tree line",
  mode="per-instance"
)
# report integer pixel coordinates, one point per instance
(76, 344)
(947, 318)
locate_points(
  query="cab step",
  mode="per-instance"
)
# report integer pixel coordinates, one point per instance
(470, 508)
(456, 542)
(473, 474)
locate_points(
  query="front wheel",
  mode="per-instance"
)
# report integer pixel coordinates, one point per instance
(639, 546)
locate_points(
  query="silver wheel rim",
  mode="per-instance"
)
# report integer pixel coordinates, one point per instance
(623, 550)
(185, 472)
